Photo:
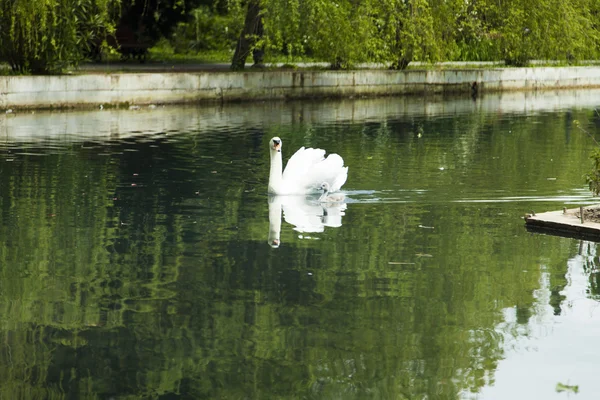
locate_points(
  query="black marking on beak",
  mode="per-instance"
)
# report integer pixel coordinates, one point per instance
(277, 145)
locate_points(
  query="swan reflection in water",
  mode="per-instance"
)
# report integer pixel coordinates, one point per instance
(306, 172)
(306, 214)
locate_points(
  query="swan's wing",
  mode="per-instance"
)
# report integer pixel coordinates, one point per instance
(332, 171)
(308, 168)
(301, 162)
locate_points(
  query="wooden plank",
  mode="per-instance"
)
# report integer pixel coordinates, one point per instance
(566, 223)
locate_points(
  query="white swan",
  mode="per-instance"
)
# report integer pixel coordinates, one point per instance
(305, 171)
(328, 197)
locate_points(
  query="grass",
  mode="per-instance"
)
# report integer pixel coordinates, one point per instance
(167, 55)
(206, 57)
(163, 54)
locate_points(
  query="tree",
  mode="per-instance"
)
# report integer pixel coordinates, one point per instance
(518, 31)
(405, 30)
(250, 36)
(343, 32)
(475, 31)
(209, 28)
(157, 18)
(325, 30)
(44, 36)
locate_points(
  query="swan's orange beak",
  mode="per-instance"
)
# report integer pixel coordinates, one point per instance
(277, 146)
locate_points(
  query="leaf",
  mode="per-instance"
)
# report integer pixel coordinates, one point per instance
(561, 387)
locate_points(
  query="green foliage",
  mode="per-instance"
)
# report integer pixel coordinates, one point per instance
(154, 19)
(476, 36)
(208, 29)
(408, 29)
(518, 31)
(519, 35)
(563, 387)
(336, 32)
(345, 32)
(593, 177)
(328, 31)
(44, 36)
(573, 35)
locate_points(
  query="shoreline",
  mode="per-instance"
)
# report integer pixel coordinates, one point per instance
(124, 90)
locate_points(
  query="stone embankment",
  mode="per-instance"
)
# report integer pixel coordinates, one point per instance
(114, 89)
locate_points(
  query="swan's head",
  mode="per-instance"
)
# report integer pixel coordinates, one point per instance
(325, 187)
(275, 144)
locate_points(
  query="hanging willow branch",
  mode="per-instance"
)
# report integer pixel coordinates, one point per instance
(46, 36)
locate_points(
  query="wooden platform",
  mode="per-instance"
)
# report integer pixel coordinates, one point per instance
(567, 223)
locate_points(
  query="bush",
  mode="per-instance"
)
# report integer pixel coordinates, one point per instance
(593, 177)
(46, 36)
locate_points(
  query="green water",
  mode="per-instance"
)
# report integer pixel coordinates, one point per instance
(134, 255)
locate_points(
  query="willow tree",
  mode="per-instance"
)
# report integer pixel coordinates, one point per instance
(403, 31)
(518, 31)
(549, 29)
(475, 31)
(336, 32)
(321, 29)
(343, 32)
(47, 36)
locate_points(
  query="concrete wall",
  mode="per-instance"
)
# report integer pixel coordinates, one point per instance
(164, 88)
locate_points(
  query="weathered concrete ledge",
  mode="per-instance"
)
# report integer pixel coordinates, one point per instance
(568, 223)
(166, 88)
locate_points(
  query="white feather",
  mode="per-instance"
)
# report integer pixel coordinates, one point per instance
(306, 171)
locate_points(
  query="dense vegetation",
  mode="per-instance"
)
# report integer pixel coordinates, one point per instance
(400, 31)
(49, 35)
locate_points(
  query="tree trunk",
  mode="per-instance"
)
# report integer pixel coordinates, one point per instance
(403, 59)
(253, 30)
(400, 64)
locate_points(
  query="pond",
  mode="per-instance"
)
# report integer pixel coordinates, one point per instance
(137, 259)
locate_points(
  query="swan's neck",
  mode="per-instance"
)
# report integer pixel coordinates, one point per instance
(275, 176)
